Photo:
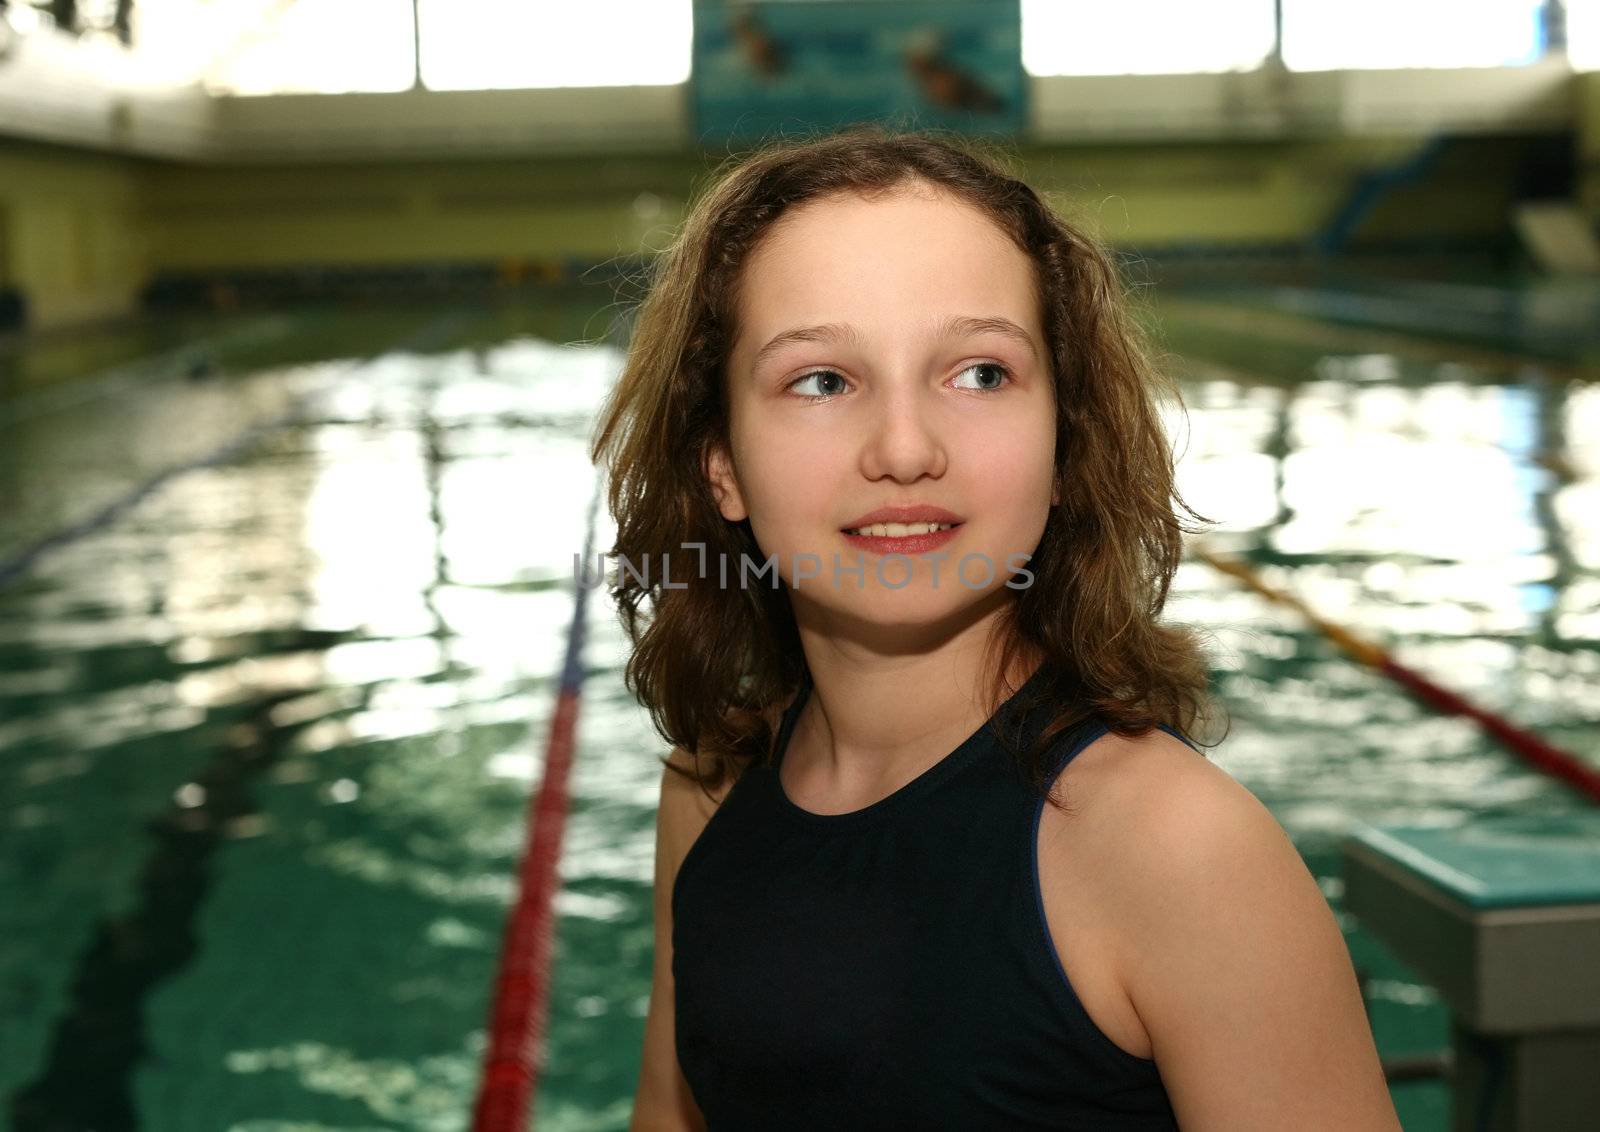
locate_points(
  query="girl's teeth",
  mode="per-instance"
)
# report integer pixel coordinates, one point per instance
(901, 530)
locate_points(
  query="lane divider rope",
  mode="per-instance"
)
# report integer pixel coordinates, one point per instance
(521, 1001)
(16, 565)
(141, 374)
(1523, 743)
(515, 1052)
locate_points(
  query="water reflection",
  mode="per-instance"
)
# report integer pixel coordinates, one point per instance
(326, 669)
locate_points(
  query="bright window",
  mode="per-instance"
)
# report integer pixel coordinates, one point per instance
(478, 44)
(1324, 35)
(329, 46)
(1144, 37)
(320, 47)
(1583, 34)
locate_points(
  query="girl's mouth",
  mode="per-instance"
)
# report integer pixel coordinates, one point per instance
(902, 538)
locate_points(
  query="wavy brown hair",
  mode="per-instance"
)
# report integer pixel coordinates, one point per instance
(714, 664)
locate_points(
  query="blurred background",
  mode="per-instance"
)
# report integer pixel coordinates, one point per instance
(306, 307)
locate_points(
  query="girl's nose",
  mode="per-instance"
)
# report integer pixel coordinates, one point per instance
(903, 440)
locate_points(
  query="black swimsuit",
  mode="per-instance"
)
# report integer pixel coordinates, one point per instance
(890, 967)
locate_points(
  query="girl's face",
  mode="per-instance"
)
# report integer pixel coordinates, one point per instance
(889, 354)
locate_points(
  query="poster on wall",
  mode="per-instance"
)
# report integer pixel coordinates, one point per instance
(766, 68)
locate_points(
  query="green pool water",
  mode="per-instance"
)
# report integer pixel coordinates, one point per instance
(267, 733)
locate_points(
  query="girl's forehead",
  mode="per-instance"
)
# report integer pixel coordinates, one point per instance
(893, 260)
(883, 219)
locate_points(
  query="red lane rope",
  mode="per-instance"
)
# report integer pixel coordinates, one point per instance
(516, 1047)
(1551, 760)
(1523, 743)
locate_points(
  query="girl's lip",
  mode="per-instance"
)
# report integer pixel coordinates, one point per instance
(905, 544)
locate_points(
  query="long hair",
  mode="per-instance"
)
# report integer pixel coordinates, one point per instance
(715, 664)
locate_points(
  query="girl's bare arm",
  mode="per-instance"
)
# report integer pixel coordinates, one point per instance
(662, 1102)
(1236, 965)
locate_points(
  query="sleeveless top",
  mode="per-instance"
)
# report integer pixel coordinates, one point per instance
(891, 967)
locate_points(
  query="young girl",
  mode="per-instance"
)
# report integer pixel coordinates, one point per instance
(886, 459)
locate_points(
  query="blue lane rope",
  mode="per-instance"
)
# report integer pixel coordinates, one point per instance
(139, 374)
(15, 566)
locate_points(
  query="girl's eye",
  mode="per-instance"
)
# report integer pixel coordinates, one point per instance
(822, 375)
(1001, 375)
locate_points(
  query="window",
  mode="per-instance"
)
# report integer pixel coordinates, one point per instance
(319, 47)
(1583, 34)
(478, 44)
(1320, 35)
(1145, 37)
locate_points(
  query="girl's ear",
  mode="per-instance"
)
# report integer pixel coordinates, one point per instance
(724, 485)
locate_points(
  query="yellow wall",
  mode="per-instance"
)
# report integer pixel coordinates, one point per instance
(82, 232)
(1586, 94)
(1133, 195)
(406, 212)
(72, 237)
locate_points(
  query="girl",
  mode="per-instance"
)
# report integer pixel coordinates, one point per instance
(887, 461)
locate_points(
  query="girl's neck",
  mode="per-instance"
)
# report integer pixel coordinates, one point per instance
(872, 722)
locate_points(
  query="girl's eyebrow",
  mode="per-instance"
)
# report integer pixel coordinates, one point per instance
(956, 326)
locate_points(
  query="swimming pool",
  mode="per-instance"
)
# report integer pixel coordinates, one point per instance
(286, 603)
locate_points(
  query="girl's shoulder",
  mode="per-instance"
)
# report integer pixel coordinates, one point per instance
(685, 782)
(1212, 912)
(684, 772)
(1116, 782)
(1086, 854)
